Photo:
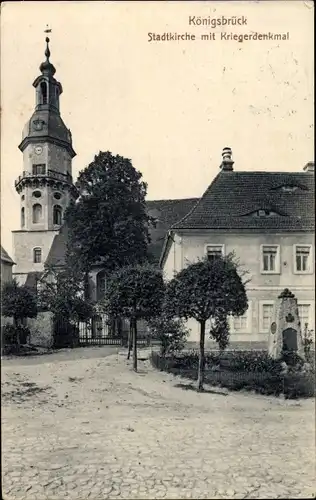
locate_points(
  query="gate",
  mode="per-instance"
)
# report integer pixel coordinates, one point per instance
(97, 331)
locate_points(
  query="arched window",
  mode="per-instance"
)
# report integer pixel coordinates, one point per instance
(22, 217)
(37, 255)
(57, 215)
(37, 213)
(44, 92)
(100, 285)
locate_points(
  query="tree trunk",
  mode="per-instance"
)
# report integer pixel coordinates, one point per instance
(16, 324)
(201, 358)
(130, 338)
(86, 286)
(135, 345)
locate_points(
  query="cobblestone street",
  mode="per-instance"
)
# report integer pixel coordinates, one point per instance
(92, 428)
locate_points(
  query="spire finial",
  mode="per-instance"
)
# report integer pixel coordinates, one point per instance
(47, 66)
(47, 51)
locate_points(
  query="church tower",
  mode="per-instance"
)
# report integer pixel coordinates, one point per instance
(45, 186)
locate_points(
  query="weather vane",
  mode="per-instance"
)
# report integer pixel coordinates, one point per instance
(48, 29)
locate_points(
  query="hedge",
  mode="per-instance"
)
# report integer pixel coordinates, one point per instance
(251, 371)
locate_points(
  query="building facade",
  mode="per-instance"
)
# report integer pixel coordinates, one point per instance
(45, 186)
(267, 220)
(6, 267)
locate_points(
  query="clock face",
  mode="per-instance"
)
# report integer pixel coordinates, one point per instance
(38, 150)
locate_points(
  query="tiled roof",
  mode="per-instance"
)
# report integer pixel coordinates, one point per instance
(166, 212)
(57, 252)
(233, 197)
(6, 257)
(32, 278)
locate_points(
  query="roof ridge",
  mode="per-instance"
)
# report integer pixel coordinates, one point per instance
(283, 172)
(173, 199)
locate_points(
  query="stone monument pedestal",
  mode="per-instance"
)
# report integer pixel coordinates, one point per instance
(285, 336)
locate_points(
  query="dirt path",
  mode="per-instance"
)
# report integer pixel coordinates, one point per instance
(89, 427)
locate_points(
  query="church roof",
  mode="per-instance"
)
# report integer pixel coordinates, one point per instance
(32, 278)
(47, 125)
(166, 212)
(233, 201)
(57, 252)
(5, 257)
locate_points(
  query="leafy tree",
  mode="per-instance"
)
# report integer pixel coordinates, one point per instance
(207, 290)
(62, 293)
(171, 332)
(135, 292)
(18, 302)
(108, 223)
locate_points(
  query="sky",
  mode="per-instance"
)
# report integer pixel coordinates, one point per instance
(169, 106)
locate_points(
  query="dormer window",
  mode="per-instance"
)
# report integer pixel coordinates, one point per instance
(289, 189)
(264, 213)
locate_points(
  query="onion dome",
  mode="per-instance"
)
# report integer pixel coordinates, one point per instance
(47, 68)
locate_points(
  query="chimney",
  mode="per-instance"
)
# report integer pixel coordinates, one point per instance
(309, 167)
(227, 162)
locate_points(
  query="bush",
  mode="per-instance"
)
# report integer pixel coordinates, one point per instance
(253, 361)
(235, 361)
(241, 371)
(10, 334)
(308, 340)
(171, 333)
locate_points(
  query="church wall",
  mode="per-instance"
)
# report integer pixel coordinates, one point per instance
(41, 329)
(30, 158)
(58, 159)
(23, 244)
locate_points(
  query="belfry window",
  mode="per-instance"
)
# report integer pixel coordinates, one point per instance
(22, 217)
(57, 215)
(37, 213)
(37, 255)
(44, 92)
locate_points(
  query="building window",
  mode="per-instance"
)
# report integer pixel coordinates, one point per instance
(214, 252)
(37, 255)
(304, 315)
(57, 215)
(57, 196)
(44, 92)
(36, 194)
(302, 258)
(37, 213)
(266, 316)
(270, 259)
(100, 285)
(23, 217)
(240, 323)
(39, 169)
